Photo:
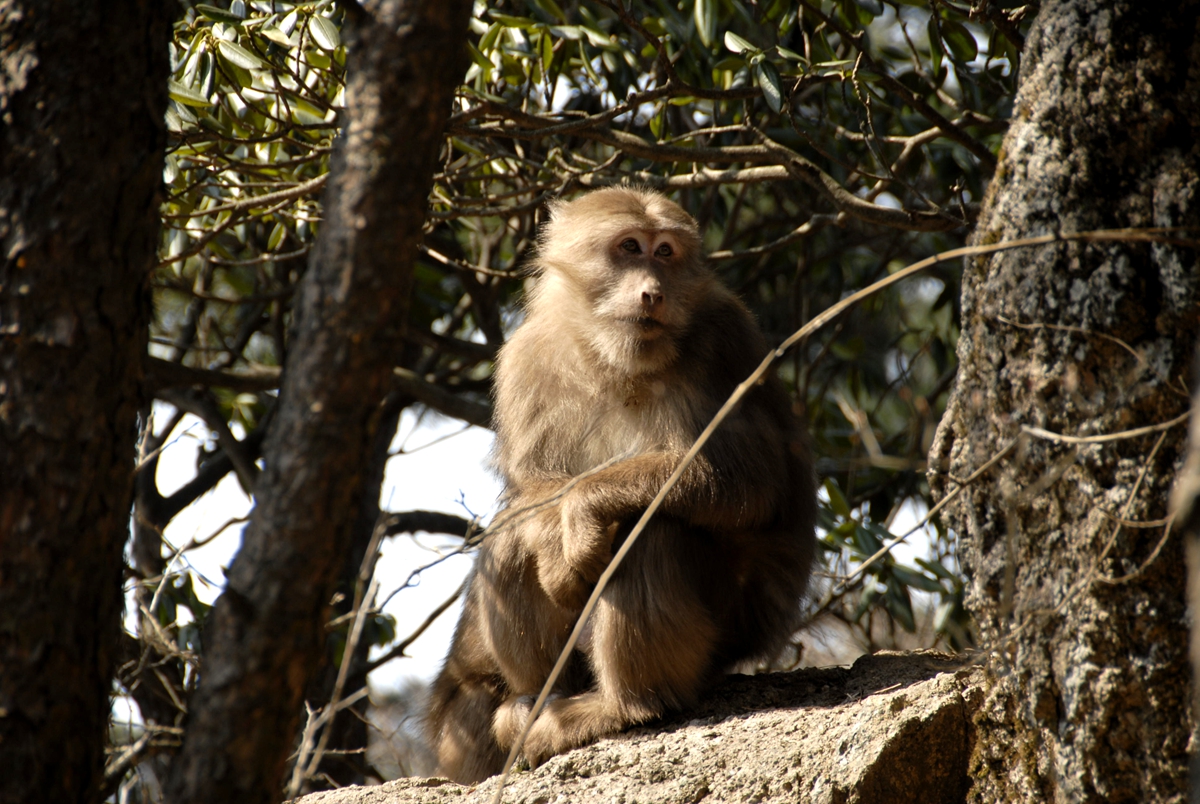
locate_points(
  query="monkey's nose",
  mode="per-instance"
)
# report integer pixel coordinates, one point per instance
(651, 301)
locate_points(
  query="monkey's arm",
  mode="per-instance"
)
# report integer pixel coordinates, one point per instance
(741, 492)
(565, 569)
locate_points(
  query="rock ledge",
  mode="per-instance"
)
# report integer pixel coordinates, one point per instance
(894, 727)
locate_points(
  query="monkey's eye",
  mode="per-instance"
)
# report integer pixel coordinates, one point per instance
(631, 246)
(663, 251)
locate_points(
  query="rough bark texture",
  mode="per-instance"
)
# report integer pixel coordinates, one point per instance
(82, 96)
(1084, 618)
(894, 728)
(346, 763)
(267, 630)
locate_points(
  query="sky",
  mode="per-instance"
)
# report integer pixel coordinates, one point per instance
(437, 465)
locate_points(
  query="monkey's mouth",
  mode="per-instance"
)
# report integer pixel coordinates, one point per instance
(648, 326)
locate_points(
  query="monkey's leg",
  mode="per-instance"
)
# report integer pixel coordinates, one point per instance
(653, 642)
(466, 750)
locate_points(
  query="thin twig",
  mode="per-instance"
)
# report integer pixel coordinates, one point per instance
(1107, 437)
(304, 769)
(398, 651)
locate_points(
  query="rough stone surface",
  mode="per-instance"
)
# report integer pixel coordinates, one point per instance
(893, 728)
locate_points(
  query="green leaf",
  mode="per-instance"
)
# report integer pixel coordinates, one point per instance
(768, 81)
(935, 42)
(190, 60)
(937, 569)
(737, 44)
(511, 21)
(239, 56)
(601, 40)
(960, 40)
(865, 540)
(276, 237)
(324, 32)
(873, 7)
(551, 9)
(186, 95)
(217, 126)
(705, 16)
(572, 32)
(547, 50)
(477, 56)
(278, 37)
(836, 501)
(305, 113)
(385, 629)
(587, 65)
(654, 26)
(730, 63)
(489, 39)
(218, 14)
(790, 55)
(899, 605)
(318, 58)
(916, 580)
(865, 601)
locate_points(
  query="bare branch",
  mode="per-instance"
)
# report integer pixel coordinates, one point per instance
(428, 521)
(441, 400)
(164, 374)
(202, 406)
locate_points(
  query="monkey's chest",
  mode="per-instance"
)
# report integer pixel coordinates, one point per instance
(620, 427)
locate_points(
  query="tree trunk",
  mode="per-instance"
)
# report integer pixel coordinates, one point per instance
(83, 89)
(349, 732)
(266, 632)
(1082, 613)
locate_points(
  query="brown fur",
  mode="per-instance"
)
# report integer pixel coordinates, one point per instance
(624, 356)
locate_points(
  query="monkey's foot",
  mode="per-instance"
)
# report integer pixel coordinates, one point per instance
(571, 723)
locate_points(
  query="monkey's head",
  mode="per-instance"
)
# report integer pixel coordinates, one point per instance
(622, 268)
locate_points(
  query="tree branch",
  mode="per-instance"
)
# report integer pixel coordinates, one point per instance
(441, 400)
(164, 374)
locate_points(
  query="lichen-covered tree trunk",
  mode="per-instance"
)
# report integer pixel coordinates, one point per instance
(83, 89)
(1077, 587)
(266, 632)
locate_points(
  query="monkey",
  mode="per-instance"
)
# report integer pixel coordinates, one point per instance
(629, 346)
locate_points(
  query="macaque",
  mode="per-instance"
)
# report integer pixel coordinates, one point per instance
(629, 346)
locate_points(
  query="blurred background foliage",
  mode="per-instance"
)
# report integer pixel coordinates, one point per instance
(820, 144)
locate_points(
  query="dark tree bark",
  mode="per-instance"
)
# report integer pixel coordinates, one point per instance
(266, 632)
(1083, 617)
(349, 729)
(83, 89)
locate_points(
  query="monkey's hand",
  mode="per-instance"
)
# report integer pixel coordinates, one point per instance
(587, 534)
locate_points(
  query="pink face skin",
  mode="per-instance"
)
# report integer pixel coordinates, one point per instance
(644, 262)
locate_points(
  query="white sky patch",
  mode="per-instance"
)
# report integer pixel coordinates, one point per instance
(443, 468)
(449, 475)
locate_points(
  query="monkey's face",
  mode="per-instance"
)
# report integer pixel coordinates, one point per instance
(641, 284)
(633, 260)
(638, 288)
